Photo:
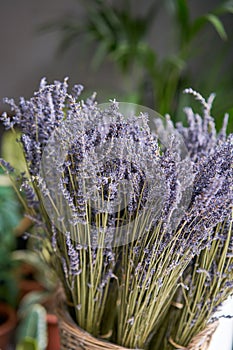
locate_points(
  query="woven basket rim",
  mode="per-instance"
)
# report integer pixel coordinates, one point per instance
(200, 342)
(207, 333)
(66, 322)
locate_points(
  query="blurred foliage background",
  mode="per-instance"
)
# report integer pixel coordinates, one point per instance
(10, 215)
(120, 33)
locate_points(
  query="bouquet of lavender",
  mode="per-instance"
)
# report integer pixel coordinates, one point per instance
(136, 213)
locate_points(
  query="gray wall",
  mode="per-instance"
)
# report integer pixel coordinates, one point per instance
(27, 55)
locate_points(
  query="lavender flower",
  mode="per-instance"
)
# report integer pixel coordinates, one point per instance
(29, 194)
(6, 166)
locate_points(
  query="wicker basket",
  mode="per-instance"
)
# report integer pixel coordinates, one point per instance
(74, 338)
(202, 340)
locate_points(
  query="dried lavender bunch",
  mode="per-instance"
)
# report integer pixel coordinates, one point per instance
(207, 284)
(119, 211)
(211, 204)
(208, 280)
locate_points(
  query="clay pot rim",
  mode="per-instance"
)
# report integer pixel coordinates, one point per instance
(11, 321)
(51, 319)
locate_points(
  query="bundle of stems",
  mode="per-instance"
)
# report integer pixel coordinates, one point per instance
(205, 285)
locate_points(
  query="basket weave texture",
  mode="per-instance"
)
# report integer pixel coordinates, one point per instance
(202, 340)
(74, 338)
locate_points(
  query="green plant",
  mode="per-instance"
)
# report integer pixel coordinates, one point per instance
(32, 332)
(33, 329)
(121, 36)
(9, 218)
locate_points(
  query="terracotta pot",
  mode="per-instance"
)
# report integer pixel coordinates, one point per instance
(27, 286)
(53, 333)
(27, 281)
(8, 322)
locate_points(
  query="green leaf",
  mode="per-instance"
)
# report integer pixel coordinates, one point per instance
(147, 57)
(32, 333)
(122, 56)
(101, 53)
(226, 7)
(28, 344)
(182, 13)
(200, 22)
(217, 25)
